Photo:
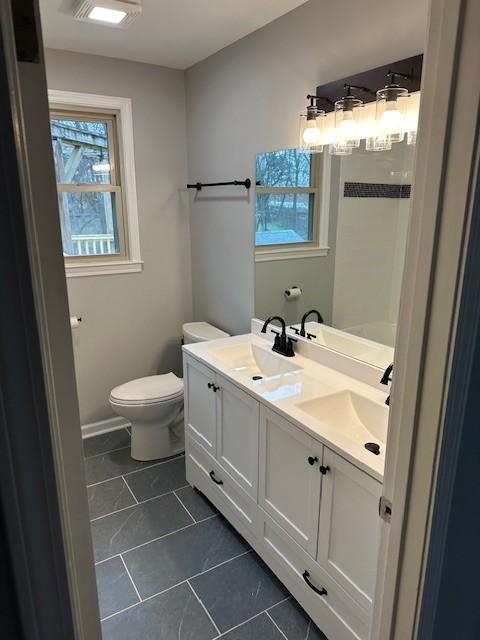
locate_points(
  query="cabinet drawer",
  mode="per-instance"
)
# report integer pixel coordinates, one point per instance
(210, 478)
(335, 613)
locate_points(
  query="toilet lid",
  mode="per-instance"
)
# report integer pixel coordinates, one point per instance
(149, 390)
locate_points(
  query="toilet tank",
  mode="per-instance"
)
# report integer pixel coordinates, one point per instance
(201, 332)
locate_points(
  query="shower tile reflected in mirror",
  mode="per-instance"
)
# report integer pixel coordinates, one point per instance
(335, 226)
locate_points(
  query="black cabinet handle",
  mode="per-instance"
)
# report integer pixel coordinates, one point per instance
(216, 388)
(210, 385)
(324, 470)
(212, 476)
(321, 592)
(312, 460)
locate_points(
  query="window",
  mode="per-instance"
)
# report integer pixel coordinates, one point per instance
(95, 182)
(88, 183)
(287, 204)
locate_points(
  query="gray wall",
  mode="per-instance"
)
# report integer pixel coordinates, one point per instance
(246, 99)
(132, 322)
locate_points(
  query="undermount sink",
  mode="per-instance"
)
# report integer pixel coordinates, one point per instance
(358, 417)
(254, 360)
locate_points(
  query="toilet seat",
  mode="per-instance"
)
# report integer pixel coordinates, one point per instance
(149, 390)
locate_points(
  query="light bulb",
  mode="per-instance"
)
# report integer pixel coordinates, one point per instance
(390, 121)
(347, 127)
(311, 133)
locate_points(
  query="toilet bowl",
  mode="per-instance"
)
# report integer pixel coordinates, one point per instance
(154, 405)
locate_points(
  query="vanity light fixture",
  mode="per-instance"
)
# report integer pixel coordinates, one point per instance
(347, 122)
(350, 121)
(114, 13)
(391, 108)
(311, 126)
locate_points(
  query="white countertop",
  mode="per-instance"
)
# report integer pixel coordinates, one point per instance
(282, 393)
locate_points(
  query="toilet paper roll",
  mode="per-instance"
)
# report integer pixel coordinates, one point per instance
(75, 322)
(292, 293)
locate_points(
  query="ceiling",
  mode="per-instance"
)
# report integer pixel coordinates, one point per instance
(171, 33)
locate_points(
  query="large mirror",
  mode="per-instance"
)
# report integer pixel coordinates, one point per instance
(330, 235)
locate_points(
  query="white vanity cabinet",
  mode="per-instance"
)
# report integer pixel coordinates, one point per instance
(289, 488)
(308, 512)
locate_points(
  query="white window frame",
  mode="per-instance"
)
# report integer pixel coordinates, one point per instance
(319, 246)
(132, 263)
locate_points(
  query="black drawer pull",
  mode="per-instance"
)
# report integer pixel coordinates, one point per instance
(216, 388)
(324, 470)
(212, 476)
(210, 385)
(321, 592)
(312, 460)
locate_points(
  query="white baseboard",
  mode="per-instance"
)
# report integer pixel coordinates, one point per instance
(104, 426)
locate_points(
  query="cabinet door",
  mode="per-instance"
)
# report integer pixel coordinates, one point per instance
(200, 404)
(289, 486)
(349, 528)
(237, 435)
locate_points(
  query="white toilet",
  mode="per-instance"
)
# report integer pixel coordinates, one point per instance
(154, 405)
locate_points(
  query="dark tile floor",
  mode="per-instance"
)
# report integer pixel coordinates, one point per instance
(169, 566)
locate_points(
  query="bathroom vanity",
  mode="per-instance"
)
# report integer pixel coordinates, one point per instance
(278, 445)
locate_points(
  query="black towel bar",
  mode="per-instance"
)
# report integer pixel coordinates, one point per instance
(237, 183)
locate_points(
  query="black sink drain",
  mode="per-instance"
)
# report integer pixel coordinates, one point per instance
(373, 447)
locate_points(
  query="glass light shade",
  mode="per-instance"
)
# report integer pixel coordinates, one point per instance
(377, 143)
(337, 149)
(347, 122)
(391, 111)
(411, 119)
(311, 131)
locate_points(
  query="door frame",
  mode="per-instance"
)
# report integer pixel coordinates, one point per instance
(442, 205)
(428, 315)
(60, 479)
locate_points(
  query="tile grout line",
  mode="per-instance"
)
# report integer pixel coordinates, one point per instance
(180, 500)
(128, 473)
(203, 607)
(104, 453)
(131, 579)
(253, 617)
(138, 502)
(274, 623)
(279, 602)
(165, 535)
(132, 494)
(257, 615)
(154, 595)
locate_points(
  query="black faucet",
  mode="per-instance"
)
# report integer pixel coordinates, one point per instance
(386, 378)
(302, 331)
(282, 344)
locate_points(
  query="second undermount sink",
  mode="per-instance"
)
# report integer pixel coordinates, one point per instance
(254, 360)
(357, 417)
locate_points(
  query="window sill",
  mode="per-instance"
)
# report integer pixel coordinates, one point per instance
(103, 268)
(290, 254)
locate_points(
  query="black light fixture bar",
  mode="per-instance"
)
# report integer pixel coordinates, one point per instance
(247, 183)
(367, 82)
